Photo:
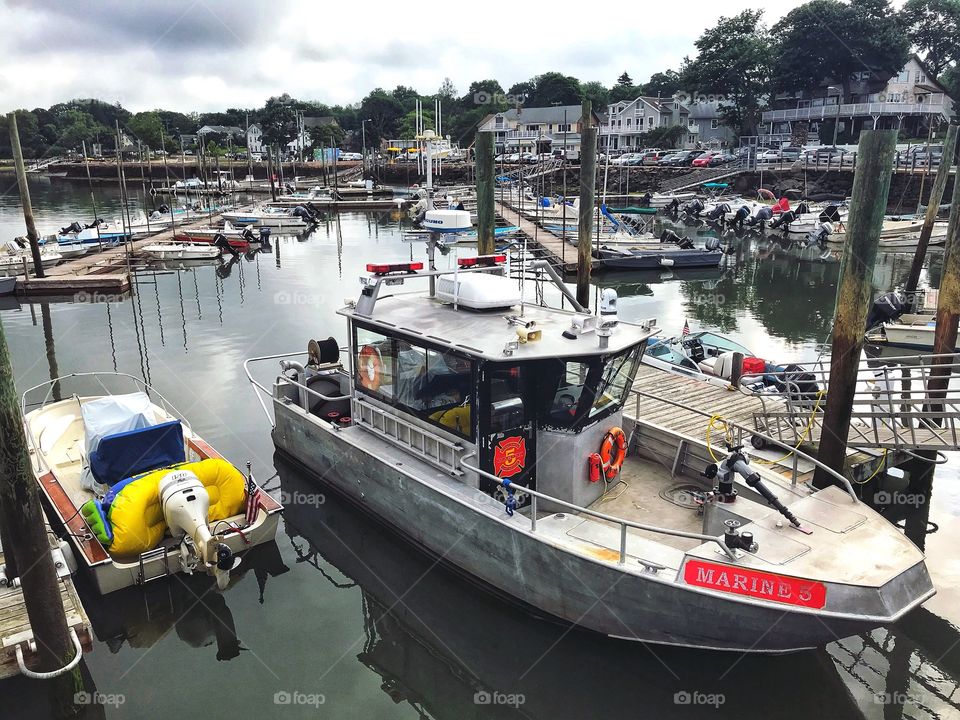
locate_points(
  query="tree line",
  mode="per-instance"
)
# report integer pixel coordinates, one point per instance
(741, 58)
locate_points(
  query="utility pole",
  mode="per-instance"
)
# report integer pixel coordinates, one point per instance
(32, 234)
(483, 157)
(588, 186)
(933, 207)
(22, 519)
(871, 186)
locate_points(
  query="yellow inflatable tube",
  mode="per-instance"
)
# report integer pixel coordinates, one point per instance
(137, 518)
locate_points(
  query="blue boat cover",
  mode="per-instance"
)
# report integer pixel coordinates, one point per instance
(124, 454)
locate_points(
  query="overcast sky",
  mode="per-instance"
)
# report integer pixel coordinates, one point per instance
(206, 55)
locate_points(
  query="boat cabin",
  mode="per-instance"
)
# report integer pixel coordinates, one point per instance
(532, 391)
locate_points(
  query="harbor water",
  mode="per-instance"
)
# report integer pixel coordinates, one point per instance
(340, 619)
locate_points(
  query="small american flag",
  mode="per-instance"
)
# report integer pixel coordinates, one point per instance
(686, 328)
(253, 505)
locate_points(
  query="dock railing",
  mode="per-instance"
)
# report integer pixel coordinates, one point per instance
(904, 403)
(742, 433)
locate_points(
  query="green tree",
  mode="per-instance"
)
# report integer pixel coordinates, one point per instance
(597, 94)
(933, 28)
(407, 125)
(663, 84)
(406, 96)
(148, 129)
(554, 87)
(862, 35)
(625, 80)
(384, 112)
(950, 79)
(32, 142)
(733, 58)
(326, 136)
(278, 120)
(77, 127)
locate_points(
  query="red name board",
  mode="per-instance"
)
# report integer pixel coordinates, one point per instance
(766, 586)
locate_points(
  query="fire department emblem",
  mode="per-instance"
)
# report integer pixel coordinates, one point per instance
(509, 457)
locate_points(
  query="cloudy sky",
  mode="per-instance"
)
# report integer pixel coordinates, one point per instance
(205, 55)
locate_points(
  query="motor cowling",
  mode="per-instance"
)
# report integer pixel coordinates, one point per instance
(888, 306)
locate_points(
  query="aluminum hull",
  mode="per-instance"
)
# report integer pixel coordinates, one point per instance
(464, 528)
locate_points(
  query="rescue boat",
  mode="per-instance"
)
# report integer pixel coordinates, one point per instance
(494, 434)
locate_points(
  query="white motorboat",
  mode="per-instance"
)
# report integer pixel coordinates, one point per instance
(141, 495)
(181, 251)
(506, 449)
(100, 233)
(295, 219)
(12, 257)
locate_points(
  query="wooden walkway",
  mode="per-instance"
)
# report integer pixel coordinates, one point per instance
(730, 405)
(562, 256)
(15, 626)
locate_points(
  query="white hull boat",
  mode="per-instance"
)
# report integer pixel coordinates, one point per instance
(139, 493)
(181, 251)
(8, 285)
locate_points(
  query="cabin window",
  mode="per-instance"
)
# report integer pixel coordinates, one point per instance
(617, 378)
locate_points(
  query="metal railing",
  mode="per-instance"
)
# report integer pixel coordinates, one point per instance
(902, 403)
(304, 389)
(579, 509)
(829, 112)
(742, 431)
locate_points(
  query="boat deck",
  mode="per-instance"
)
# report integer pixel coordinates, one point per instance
(15, 626)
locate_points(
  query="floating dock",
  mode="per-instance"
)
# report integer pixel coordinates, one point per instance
(563, 256)
(15, 626)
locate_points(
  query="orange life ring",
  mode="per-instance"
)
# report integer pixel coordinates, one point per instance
(370, 367)
(613, 450)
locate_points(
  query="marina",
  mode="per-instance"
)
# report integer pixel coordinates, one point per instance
(430, 405)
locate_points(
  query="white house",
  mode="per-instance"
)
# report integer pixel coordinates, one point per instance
(255, 140)
(533, 129)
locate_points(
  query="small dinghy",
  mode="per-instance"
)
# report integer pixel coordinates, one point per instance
(181, 251)
(8, 285)
(140, 494)
(12, 255)
(666, 256)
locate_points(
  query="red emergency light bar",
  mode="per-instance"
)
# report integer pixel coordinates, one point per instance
(384, 268)
(481, 261)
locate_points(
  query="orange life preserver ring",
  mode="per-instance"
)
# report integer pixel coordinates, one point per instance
(370, 367)
(613, 450)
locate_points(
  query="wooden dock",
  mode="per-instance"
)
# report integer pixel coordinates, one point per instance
(562, 256)
(100, 273)
(15, 626)
(732, 406)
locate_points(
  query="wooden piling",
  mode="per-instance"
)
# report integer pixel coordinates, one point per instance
(588, 184)
(933, 207)
(32, 234)
(22, 519)
(948, 303)
(483, 155)
(273, 185)
(871, 186)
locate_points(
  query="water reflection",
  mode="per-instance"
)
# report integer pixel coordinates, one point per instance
(440, 646)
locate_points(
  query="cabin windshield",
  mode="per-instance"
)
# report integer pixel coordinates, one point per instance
(572, 392)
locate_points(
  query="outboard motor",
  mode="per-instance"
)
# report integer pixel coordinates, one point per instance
(885, 308)
(645, 200)
(669, 236)
(820, 233)
(672, 207)
(784, 220)
(289, 188)
(718, 212)
(694, 207)
(164, 208)
(265, 238)
(712, 244)
(798, 384)
(220, 241)
(762, 215)
(301, 212)
(73, 227)
(743, 212)
(186, 504)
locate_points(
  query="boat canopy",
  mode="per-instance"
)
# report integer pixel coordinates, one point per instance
(716, 186)
(632, 210)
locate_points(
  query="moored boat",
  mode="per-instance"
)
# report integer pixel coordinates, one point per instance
(8, 285)
(503, 449)
(181, 251)
(141, 495)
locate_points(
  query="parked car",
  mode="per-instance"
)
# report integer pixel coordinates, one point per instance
(769, 156)
(704, 159)
(667, 160)
(529, 157)
(722, 159)
(654, 157)
(685, 158)
(789, 153)
(624, 159)
(512, 158)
